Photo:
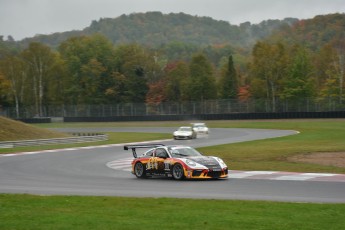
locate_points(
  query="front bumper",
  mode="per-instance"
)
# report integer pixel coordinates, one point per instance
(182, 137)
(206, 174)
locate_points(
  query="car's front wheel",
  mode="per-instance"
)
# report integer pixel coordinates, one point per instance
(139, 170)
(178, 172)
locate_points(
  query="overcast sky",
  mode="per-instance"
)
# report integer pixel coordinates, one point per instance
(26, 18)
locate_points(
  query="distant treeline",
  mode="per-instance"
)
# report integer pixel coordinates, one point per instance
(154, 58)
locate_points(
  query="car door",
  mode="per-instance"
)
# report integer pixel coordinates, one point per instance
(161, 154)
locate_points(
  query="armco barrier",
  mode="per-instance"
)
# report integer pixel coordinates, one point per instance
(36, 120)
(53, 141)
(230, 116)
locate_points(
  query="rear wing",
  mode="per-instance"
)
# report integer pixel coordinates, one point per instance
(134, 147)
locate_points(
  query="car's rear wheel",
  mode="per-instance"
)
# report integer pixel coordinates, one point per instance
(178, 172)
(139, 170)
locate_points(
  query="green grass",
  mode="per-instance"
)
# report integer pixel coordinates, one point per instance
(11, 130)
(271, 154)
(74, 212)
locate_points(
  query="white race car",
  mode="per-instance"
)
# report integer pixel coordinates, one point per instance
(184, 132)
(200, 128)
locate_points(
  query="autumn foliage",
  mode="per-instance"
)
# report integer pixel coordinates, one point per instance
(297, 59)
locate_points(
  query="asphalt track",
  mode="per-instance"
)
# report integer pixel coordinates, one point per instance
(86, 171)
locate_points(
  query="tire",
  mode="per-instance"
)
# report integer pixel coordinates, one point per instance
(177, 172)
(139, 170)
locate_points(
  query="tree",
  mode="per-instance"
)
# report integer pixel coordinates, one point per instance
(332, 71)
(201, 85)
(91, 63)
(139, 67)
(91, 74)
(155, 94)
(40, 60)
(58, 83)
(177, 74)
(322, 62)
(244, 93)
(298, 83)
(228, 83)
(339, 66)
(116, 92)
(15, 73)
(5, 89)
(268, 68)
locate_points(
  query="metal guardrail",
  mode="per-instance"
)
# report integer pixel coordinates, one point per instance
(53, 141)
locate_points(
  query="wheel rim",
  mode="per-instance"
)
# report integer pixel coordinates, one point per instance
(139, 169)
(177, 172)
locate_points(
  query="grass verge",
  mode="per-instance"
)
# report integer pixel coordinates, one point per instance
(273, 154)
(11, 130)
(74, 212)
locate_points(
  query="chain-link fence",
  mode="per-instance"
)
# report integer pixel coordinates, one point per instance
(178, 108)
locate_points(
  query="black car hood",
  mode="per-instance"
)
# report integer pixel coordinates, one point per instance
(209, 162)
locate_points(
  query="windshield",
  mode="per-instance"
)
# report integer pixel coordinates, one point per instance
(183, 152)
(199, 125)
(185, 129)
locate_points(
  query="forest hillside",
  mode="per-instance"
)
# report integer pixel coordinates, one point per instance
(155, 29)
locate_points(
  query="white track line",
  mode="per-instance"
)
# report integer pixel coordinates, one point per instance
(80, 148)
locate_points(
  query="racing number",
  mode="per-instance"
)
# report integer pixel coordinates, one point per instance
(167, 165)
(152, 164)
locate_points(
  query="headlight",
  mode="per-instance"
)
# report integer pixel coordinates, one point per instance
(221, 162)
(190, 163)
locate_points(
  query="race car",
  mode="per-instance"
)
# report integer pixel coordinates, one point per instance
(176, 161)
(185, 132)
(200, 128)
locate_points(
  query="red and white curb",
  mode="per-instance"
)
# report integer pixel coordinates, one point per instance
(121, 164)
(292, 176)
(125, 165)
